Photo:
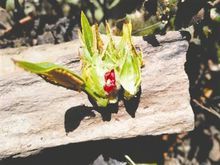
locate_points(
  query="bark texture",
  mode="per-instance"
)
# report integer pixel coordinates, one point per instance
(35, 115)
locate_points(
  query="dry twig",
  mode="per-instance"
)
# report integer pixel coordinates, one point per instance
(206, 108)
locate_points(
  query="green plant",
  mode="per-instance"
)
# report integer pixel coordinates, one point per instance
(106, 69)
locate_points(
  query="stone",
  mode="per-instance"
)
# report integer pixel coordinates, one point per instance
(35, 115)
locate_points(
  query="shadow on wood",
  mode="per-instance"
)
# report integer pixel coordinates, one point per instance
(131, 105)
(75, 115)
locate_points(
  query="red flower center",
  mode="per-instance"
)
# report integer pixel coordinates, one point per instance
(110, 83)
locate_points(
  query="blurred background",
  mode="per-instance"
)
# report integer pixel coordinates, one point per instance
(35, 22)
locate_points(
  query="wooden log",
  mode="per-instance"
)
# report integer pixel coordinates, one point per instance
(35, 114)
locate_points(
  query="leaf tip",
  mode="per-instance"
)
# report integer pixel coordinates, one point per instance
(16, 62)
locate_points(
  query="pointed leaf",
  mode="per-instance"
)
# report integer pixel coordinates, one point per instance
(54, 74)
(111, 42)
(111, 53)
(87, 34)
(127, 29)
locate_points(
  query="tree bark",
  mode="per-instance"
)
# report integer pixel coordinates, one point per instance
(35, 115)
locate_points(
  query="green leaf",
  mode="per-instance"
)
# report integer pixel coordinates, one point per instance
(124, 44)
(54, 74)
(130, 78)
(86, 57)
(87, 34)
(127, 29)
(110, 55)
(111, 42)
(94, 82)
(130, 72)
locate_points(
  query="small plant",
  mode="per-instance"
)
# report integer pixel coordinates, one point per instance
(106, 70)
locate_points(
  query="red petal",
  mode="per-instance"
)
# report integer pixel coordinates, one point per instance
(108, 88)
(110, 76)
(107, 74)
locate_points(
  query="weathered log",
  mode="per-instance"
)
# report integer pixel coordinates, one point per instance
(35, 114)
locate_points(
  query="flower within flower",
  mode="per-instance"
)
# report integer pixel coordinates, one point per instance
(110, 83)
